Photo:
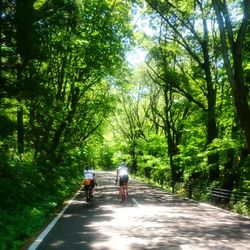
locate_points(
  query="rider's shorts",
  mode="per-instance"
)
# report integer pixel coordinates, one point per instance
(123, 180)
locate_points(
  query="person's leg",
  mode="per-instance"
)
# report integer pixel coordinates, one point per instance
(92, 186)
(126, 181)
(85, 189)
(87, 185)
(121, 184)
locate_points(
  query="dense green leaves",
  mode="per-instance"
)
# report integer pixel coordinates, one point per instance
(188, 98)
(68, 100)
(56, 61)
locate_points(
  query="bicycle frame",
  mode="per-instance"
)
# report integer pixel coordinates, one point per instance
(124, 193)
(88, 194)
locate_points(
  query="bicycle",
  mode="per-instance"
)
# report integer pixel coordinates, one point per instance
(123, 189)
(124, 193)
(88, 188)
(88, 194)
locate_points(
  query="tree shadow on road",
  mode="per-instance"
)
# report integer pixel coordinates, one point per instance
(152, 219)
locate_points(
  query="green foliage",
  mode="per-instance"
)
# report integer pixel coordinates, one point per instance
(119, 156)
(241, 207)
(106, 153)
(31, 194)
(21, 224)
(155, 145)
(7, 126)
(63, 76)
(244, 172)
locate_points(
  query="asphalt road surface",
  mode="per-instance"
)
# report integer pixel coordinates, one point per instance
(152, 219)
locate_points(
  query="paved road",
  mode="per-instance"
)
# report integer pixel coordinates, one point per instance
(152, 219)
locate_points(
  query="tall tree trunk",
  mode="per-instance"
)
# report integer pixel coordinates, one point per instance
(20, 128)
(133, 157)
(233, 46)
(203, 61)
(51, 152)
(212, 130)
(169, 135)
(240, 95)
(24, 45)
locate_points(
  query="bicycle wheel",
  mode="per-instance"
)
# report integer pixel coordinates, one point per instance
(88, 195)
(124, 194)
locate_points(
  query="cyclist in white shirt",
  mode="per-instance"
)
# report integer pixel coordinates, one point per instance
(89, 179)
(122, 175)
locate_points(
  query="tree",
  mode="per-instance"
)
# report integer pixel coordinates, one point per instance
(173, 110)
(131, 122)
(181, 27)
(233, 39)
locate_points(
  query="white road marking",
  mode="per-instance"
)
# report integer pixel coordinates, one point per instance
(41, 237)
(112, 179)
(185, 247)
(136, 202)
